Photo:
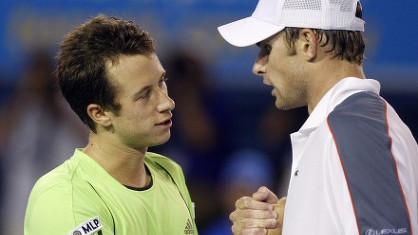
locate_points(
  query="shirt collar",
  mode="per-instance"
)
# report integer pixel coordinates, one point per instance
(338, 93)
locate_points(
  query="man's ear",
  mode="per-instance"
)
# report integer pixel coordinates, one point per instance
(99, 115)
(308, 44)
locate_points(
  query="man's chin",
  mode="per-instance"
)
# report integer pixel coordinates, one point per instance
(161, 140)
(279, 105)
(283, 106)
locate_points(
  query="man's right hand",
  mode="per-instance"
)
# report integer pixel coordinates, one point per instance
(260, 214)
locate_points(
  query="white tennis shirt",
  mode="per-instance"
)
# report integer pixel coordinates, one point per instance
(355, 167)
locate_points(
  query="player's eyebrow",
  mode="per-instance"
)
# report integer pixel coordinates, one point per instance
(264, 42)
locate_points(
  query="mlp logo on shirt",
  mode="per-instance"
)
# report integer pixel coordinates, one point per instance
(89, 227)
(189, 229)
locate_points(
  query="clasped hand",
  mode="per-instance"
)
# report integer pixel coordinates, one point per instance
(260, 214)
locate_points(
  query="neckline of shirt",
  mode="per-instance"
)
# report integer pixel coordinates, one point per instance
(97, 173)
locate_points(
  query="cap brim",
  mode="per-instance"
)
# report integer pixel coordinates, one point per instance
(248, 31)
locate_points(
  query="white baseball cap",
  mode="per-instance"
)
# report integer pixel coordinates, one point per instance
(272, 16)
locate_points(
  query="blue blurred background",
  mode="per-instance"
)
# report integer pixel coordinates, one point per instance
(227, 134)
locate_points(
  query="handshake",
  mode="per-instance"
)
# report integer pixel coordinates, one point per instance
(260, 214)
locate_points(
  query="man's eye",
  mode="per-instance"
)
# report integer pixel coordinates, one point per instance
(164, 79)
(267, 49)
(146, 95)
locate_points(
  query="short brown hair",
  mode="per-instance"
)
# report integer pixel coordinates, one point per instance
(345, 45)
(83, 53)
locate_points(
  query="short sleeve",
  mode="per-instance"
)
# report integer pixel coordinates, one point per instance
(64, 209)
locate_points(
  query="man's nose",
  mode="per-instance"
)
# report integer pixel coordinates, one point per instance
(259, 67)
(167, 103)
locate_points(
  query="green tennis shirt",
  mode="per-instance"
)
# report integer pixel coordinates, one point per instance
(79, 197)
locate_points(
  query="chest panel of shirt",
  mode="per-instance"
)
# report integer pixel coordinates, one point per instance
(157, 210)
(316, 180)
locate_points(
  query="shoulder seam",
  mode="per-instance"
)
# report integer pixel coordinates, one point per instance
(72, 191)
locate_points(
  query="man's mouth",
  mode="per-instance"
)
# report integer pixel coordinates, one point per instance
(165, 123)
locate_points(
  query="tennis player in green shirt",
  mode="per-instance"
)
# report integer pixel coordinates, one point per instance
(111, 77)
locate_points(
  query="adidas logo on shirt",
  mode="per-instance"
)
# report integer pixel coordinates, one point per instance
(189, 227)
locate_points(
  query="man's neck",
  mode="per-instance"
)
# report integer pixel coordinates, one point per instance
(125, 164)
(326, 76)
